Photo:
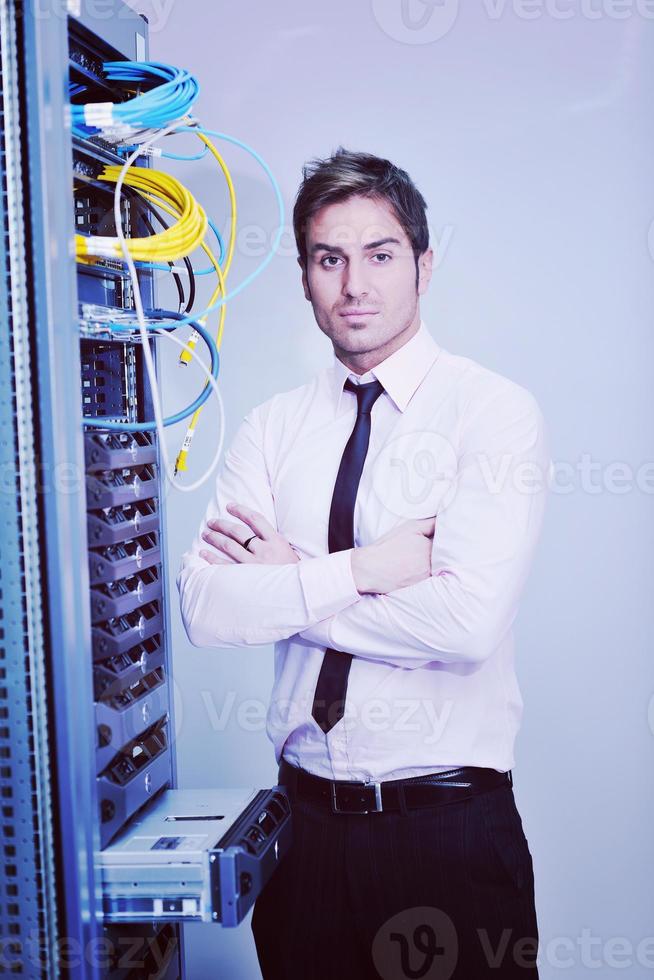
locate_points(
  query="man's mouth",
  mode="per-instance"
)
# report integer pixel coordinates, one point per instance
(353, 314)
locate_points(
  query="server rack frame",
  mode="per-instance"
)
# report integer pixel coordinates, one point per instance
(58, 888)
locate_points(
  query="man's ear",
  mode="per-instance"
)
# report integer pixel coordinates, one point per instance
(305, 281)
(425, 264)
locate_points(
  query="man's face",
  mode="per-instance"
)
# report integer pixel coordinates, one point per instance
(361, 278)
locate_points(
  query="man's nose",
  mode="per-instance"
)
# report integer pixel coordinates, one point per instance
(355, 282)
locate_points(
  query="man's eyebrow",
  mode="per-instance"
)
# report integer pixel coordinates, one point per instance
(324, 247)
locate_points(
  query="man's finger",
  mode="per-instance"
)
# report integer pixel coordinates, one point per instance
(231, 547)
(214, 559)
(230, 528)
(260, 526)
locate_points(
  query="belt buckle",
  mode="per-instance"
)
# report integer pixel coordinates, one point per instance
(378, 800)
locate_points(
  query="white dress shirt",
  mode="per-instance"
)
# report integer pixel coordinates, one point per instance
(432, 683)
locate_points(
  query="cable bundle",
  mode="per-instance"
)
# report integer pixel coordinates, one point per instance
(162, 111)
(171, 98)
(153, 318)
(175, 242)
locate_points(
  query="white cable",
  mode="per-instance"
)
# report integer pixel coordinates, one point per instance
(221, 408)
(138, 305)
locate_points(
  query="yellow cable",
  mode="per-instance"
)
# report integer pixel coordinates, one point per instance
(180, 463)
(232, 200)
(178, 241)
(173, 243)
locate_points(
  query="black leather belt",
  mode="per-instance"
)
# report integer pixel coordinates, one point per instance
(433, 789)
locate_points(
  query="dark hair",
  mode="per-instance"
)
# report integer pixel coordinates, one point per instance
(347, 173)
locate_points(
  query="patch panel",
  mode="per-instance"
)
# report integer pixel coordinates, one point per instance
(114, 675)
(110, 525)
(134, 776)
(113, 599)
(109, 388)
(126, 715)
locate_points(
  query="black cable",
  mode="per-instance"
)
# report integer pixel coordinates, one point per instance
(146, 210)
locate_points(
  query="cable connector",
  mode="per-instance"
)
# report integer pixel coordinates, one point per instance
(186, 356)
(99, 114)
(147, 151)
(180, 462)
(101, 245)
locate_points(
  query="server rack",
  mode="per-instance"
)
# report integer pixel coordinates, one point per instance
(83, 610)
(65, 613)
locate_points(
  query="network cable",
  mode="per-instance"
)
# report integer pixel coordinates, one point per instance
(171, 97)
(280, 208)
(174, 243)
(220, 301)
(182, 455)
(177, 241)
(157, 316)
(232, 236)
(186, 355)
(142, 326)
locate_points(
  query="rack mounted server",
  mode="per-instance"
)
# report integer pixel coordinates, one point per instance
(97, 844)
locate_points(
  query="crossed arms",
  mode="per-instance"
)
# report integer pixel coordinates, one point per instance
(481, 553)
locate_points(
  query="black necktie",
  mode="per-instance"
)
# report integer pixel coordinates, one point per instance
(329, 698)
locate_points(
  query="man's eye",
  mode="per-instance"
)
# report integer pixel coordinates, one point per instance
(329, 258)
(382, 255)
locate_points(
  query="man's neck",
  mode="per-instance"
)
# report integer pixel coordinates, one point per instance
(361, 363)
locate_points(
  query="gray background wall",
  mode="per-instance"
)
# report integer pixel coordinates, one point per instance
(529, 130)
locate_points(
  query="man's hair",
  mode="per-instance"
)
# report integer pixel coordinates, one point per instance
(347, 173)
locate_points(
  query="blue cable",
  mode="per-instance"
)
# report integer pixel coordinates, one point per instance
(169, 156)
(193, 156)
(171, 98)
(280, 206)
(221, 245)
(98, 423)
(156, 267)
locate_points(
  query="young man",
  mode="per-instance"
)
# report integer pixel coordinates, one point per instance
(377, 525)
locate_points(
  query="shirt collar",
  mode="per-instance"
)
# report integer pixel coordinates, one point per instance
(400, 373)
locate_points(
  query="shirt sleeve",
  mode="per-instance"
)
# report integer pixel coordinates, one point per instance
(237, 604)
(484, 540)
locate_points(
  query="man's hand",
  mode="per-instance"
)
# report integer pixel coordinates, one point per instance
(399, 558)
(268, 548)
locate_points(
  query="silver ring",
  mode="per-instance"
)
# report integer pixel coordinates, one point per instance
(246, 543)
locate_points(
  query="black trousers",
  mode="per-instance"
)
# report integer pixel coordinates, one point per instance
(438, 893)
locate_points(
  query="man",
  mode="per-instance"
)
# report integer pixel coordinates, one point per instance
(377, 525)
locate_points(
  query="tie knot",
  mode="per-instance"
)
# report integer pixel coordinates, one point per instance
(366, 394)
